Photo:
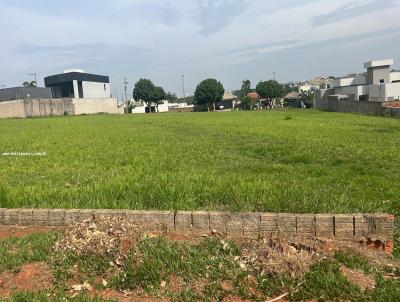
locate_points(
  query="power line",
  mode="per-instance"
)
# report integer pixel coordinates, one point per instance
(34, 76)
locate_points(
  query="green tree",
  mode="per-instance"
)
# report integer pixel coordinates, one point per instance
(246, 87)
(171, 97)
(269, 90)
(209, 92)
(287, 88)
(307, 98)
(143, 91)
(246, 103)
(158, 96)
(147, 92)
(29, 84)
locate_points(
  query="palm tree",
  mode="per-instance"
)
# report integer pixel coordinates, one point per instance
(246, 87)
(29, 84)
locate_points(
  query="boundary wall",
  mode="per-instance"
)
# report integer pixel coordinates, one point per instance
(376, 230)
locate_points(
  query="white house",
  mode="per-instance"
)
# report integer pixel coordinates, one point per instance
(377, 85)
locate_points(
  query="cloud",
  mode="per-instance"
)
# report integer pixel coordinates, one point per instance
(161, 40)
(214, 15)
(351, 10)
(254, 48)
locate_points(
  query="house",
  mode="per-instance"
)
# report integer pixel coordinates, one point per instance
(72, 93)
(260, 102)
(77, 84)
(229, 101)
(314, 84)
(24, 93)
(293, 100)
(364, 93)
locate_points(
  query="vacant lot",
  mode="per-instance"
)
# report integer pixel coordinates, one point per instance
(109, 259)
(291, 161)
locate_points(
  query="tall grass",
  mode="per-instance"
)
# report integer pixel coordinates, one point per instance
(313, 162)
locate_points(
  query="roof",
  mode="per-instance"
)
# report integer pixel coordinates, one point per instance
(293, 95)
(18, 93)
(379, 63)
(254, 95)
(229, 96)
(391, 104)
(318, 81)
(74, 76)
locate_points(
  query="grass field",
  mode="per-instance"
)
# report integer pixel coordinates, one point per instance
(288, 161)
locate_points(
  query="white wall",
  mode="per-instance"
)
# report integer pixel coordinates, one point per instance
(377, 93)
(393, 91)
(163, 108)
(394, 76)
(12, 109)
(93, 90)
(358, 80)
(93, 106)
(138, 110)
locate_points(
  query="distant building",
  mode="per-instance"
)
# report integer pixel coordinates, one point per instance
(361, 93)
(229, 101)
(77, 84)
(293, 100)
(24, 93)
(72, 93)
(314, 84)
(254, 96)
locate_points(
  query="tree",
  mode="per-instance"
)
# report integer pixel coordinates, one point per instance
(307, 98)
(143, 91)
(246, 87)
(147, 92)
(29, 84)
(158, 96)
(171, 97)
(287, 88)
(246, 103)
(269, 90)
(209, 92)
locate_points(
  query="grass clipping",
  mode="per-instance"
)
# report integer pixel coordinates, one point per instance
(273, 257)
(102, 236)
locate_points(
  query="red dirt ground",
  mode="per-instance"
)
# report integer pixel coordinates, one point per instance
(13, 231)
(31, 277)
(359, 278)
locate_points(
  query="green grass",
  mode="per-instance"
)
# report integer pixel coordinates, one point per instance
(43, 297)
(155, 260)
(313, 162)
(15, 252)
(209, 263)
(355, 261)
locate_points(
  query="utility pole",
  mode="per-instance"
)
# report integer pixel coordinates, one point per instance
(34, 76)
(126, 92)
(274, 76)
(183, 86)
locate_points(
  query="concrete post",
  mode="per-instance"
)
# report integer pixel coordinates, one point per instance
(76, 90)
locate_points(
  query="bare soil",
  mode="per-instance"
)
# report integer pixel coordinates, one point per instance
(30, 277)
(359, 278)
(16, 231)
(108, 236)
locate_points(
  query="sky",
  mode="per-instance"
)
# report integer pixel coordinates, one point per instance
(229, 40)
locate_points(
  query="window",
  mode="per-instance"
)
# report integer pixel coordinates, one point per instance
(382, 81)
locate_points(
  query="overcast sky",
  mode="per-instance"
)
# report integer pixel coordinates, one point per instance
(226, 39)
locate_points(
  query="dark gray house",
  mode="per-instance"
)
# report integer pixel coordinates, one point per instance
(24, 93)
(77, 84)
